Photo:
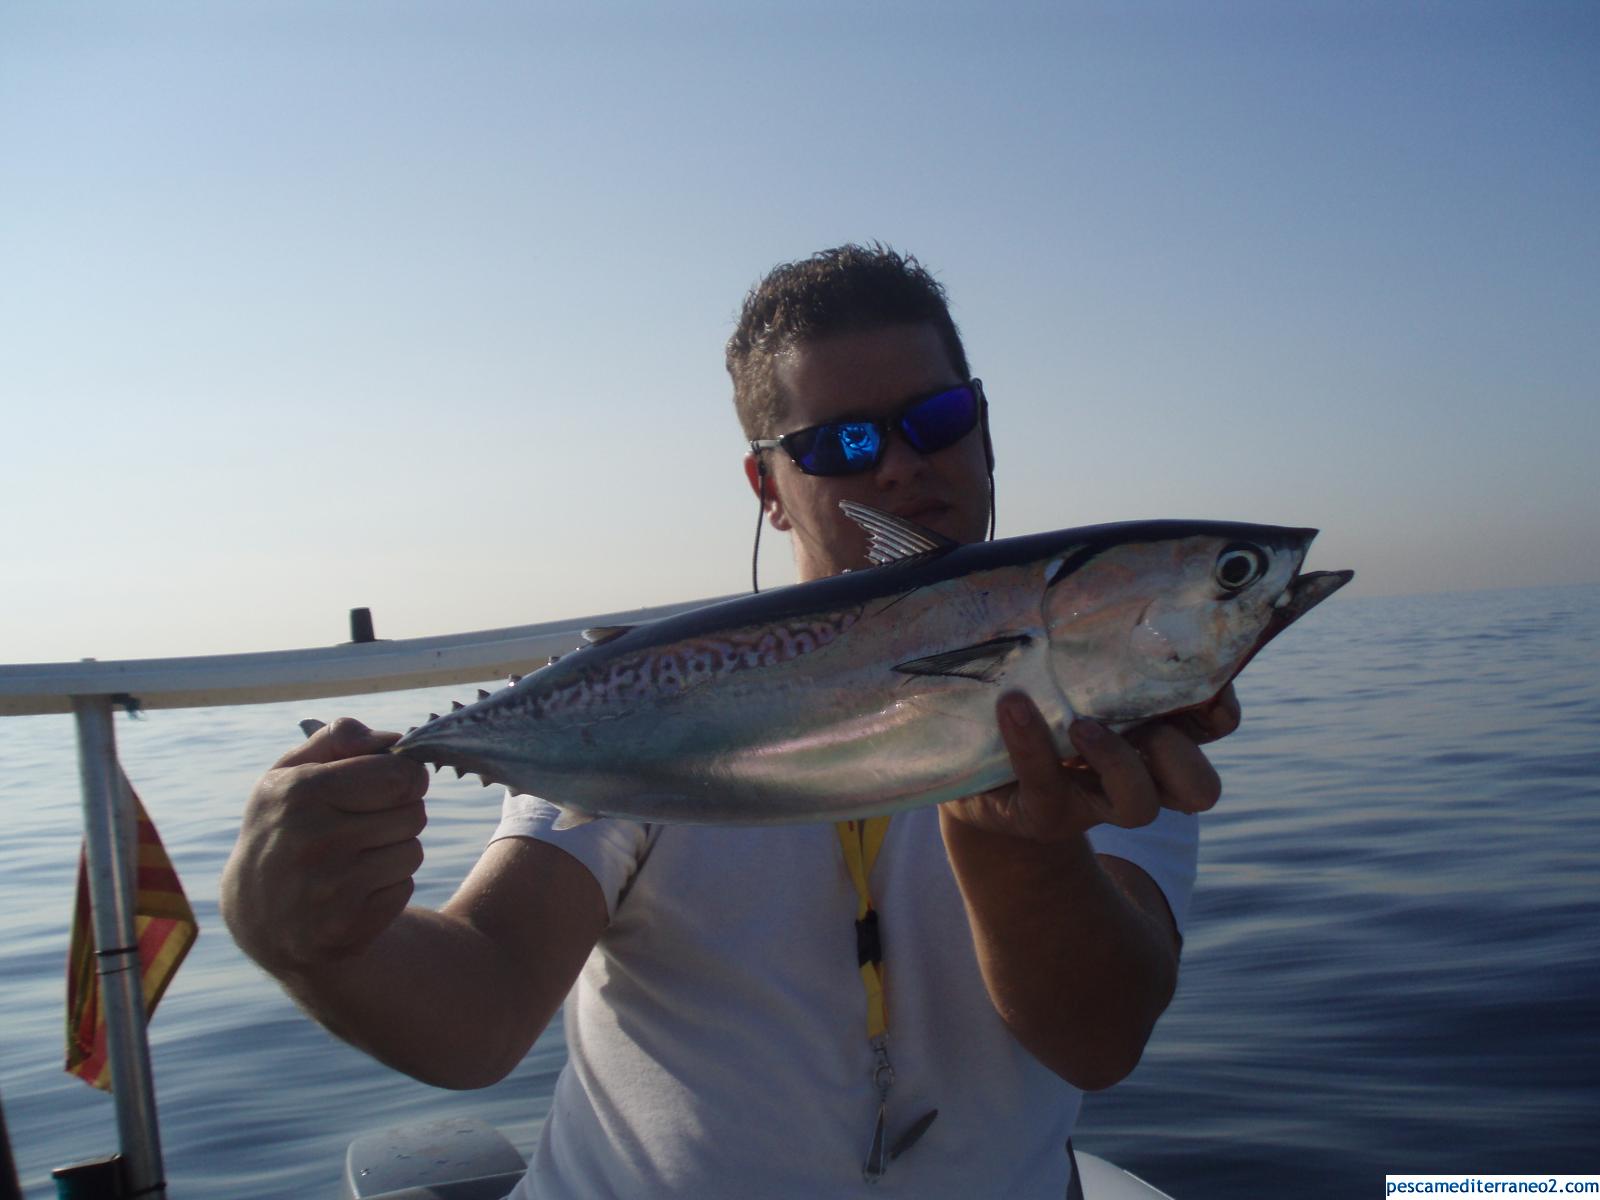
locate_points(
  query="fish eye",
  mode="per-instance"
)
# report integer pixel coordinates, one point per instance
(1240, 565)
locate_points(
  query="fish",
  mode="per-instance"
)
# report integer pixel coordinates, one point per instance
(874, 691)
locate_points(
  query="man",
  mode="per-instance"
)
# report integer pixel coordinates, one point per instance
(722, 1034)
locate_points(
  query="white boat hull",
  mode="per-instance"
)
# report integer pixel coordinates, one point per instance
(468, 1159)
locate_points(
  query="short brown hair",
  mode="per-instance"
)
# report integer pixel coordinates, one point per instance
(849, 289)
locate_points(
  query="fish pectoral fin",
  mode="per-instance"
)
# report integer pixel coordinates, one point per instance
(571, 818)
(601, 634)
(985, 661)
(895, 539)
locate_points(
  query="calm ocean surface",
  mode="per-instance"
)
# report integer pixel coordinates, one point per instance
(1393, 962)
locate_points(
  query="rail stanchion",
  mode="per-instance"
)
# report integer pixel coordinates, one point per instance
(111, 835)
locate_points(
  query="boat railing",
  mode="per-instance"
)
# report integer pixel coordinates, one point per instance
(93, 690)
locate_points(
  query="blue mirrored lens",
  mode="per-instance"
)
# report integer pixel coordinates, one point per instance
(941, 420)
(843, 447)
(858, 442)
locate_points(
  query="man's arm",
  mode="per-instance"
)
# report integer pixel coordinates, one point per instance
(316, 893)
(1079, 952)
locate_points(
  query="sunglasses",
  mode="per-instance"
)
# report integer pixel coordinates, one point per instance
(927, 423)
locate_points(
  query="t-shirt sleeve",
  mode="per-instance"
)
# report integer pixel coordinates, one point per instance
(1167, 850)
(610, 848)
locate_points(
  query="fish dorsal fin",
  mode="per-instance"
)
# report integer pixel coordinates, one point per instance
(601, 634)
(984, 662)
(895, 539)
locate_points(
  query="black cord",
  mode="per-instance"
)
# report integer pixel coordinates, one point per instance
(761, 511)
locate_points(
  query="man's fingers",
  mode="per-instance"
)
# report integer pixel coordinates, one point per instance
(327, 848)
(391, 826)
(343, 767)
(1130, 791)
(1184, 776)
(1211, 721)
(369, 784)
(387, 865)
(1124, 781)
(1033, 751)
(345, 738)
(383, 878)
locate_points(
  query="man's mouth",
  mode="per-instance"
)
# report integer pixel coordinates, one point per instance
(923, 514)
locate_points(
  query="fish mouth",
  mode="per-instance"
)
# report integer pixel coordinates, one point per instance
(1304, 592)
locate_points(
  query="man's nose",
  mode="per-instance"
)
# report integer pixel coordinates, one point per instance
(900, 463)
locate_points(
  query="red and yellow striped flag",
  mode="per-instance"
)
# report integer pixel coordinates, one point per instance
(166, 929)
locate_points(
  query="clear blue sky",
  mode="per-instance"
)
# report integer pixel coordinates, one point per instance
(306, 306)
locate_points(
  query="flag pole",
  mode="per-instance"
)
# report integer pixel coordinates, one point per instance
(110, 833)
(10, 1189)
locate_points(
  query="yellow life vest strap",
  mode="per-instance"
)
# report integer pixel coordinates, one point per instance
(861, 841)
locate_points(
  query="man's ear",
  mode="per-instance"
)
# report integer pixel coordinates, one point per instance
(764, 484)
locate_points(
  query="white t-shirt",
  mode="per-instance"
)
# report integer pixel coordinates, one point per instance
(717, 1039)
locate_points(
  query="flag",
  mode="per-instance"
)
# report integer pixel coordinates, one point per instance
(165, 927)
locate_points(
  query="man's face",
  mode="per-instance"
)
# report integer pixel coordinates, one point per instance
(856, 375)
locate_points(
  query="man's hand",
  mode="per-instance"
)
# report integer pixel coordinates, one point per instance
(1114, 780)
(1079, 951)
(326, 850)
(317, 892)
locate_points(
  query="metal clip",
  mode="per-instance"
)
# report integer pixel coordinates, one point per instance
(882, 1079)
(877, 1160)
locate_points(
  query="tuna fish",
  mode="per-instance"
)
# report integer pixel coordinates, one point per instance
(874, 691)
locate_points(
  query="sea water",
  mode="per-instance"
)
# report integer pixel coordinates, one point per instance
(1392, 963)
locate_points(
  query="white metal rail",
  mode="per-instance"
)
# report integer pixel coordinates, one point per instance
(345, 670)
